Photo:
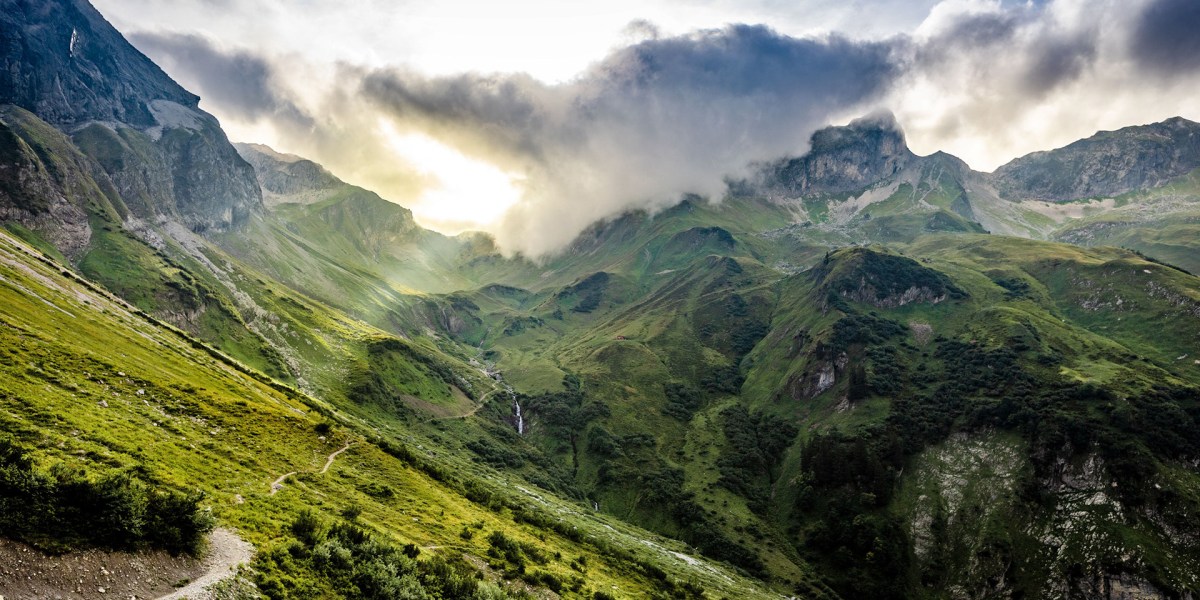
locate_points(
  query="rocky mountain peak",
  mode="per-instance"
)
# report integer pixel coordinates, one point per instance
(1106, 164)
(879, 128)
(286, 177)
(63, 62)
(844, 158)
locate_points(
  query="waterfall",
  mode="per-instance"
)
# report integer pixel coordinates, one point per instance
(520, 419)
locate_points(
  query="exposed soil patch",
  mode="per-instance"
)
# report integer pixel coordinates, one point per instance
(27, 573)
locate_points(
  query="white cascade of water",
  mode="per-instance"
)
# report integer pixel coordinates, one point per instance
(520, 419)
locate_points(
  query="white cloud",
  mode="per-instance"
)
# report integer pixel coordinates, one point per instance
(989, 83)
(588, 116)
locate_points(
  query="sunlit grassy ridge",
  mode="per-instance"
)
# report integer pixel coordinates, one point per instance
(93, 382)
(869, 343)
(848, 393)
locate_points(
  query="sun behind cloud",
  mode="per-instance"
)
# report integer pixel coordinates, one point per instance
(460, 193)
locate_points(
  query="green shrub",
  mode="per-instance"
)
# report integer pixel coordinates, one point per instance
(307, 528)
(347, 561)
(70, 508)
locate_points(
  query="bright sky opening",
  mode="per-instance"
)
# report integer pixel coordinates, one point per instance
(598, 107)
(461, 193)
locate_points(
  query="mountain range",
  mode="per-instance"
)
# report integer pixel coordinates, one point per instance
(860, 372)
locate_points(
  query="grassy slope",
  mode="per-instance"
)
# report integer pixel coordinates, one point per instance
(186, 280)
(161, 280)
(290, 248)
(93, 383)
(1069, 309)
(1162, 223)
(668, 279)
(1114, 320)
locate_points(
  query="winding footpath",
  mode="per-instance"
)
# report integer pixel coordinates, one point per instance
(278, 483)
(478, 405)
(329, 461)
(225, 552)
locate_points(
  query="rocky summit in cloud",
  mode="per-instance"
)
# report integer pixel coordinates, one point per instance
(654, 120)
(239, 82)
(667, 115)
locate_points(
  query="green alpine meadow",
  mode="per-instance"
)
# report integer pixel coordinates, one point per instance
(539, 302)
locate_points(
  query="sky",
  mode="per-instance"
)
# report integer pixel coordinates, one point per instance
(532, 119)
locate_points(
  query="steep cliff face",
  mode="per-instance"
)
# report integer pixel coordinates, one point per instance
(107, 160)
(165, 157)
(64, 62)
(1107, 164)
(287, 178)
(964, 508)
(44, 183)
(844, 159)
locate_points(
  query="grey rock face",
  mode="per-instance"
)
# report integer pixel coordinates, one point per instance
(843, 159)
(44, 183)
(62, 61)
(867, 294)
(288, 178)
(872, 150)
(213, 187)
(1107, 164)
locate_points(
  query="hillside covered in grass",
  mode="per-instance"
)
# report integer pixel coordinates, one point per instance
(855, 372)
(774, 420)
(100, 395)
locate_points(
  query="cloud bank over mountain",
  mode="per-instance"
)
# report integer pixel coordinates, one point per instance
(652, 121)
(668, 115)
(989, 82)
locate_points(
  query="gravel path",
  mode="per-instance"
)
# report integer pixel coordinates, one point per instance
(278, 483)
(225, 552)
(26, 573)
(329, 461)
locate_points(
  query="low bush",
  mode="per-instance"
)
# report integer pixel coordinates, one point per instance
(67, 508)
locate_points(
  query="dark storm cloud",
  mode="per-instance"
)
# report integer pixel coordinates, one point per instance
(977, 74)
(1044, 57)
(237, 83)
(639, 30)
(652, 121)
(663, 116)
(747, 61)
(506, 112)
(1057, 60)
(1166, 37)
(983, 30)
(691, 81)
